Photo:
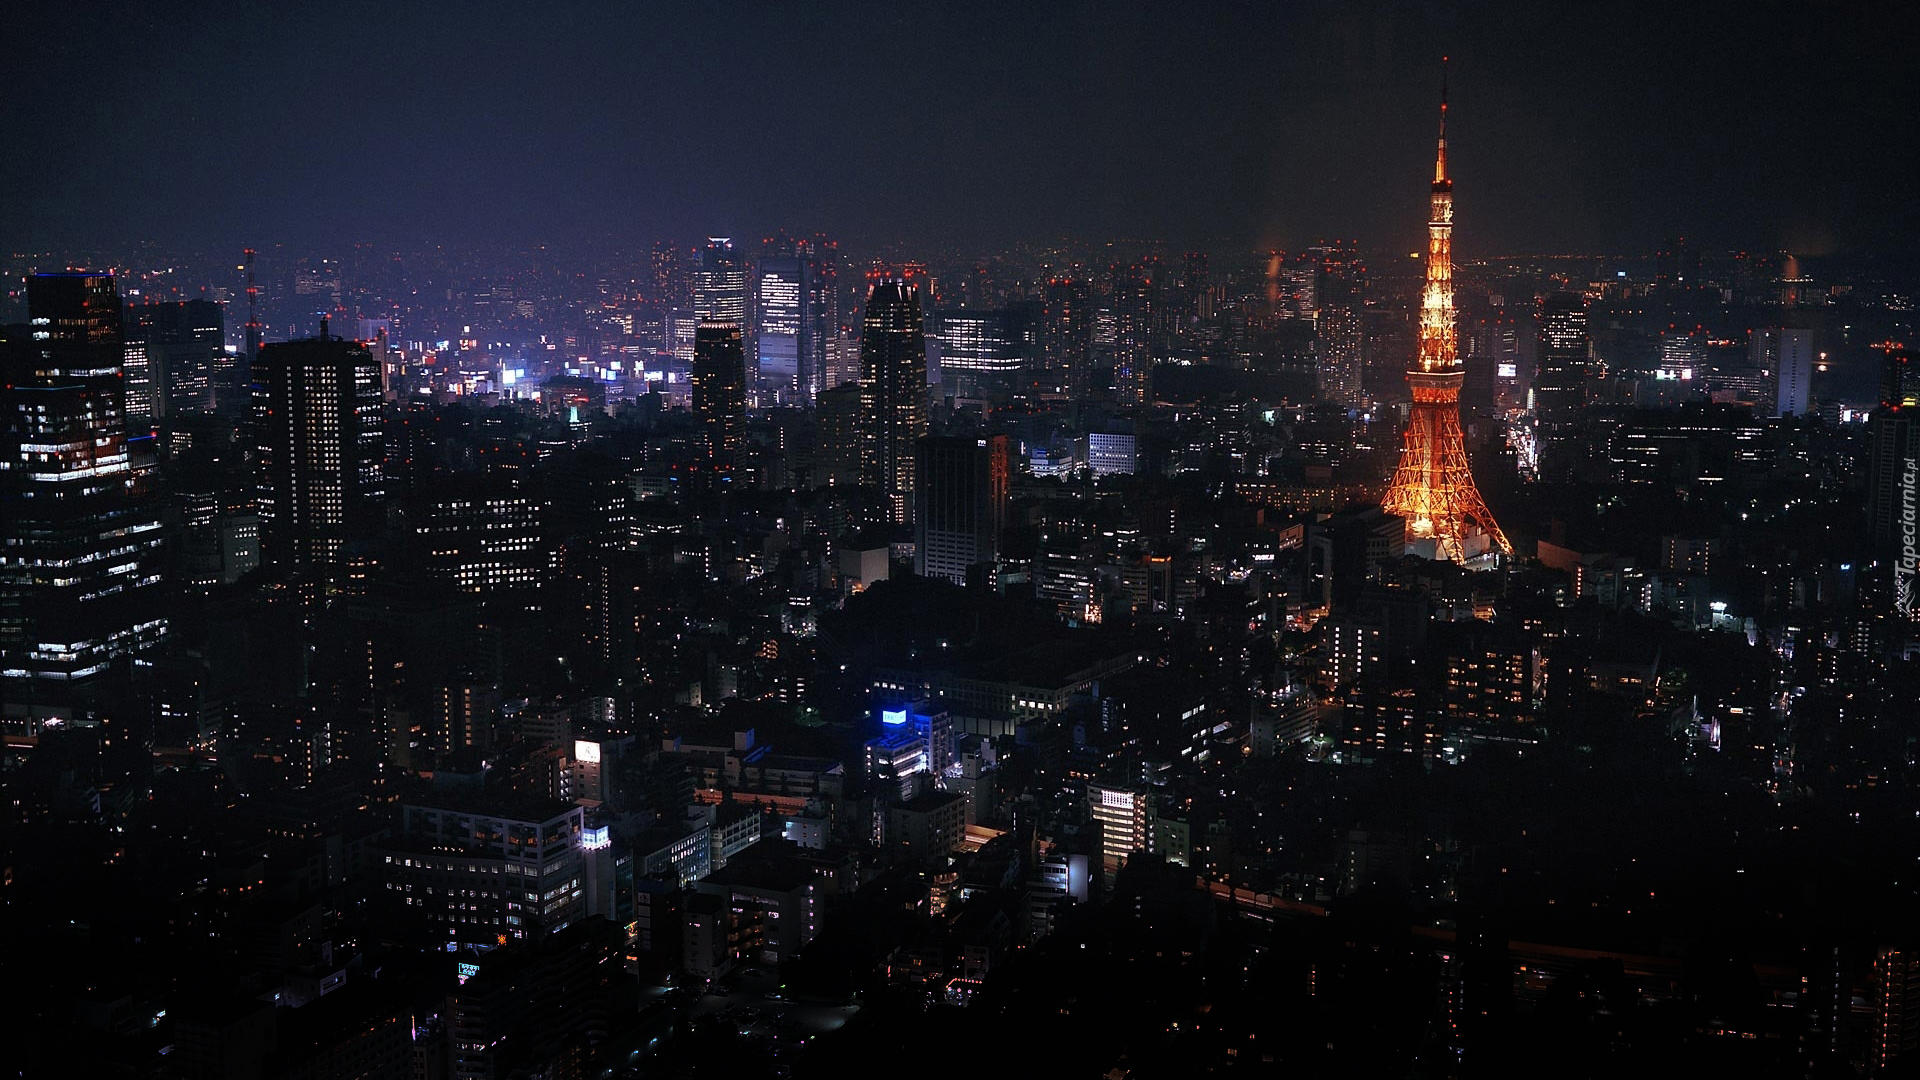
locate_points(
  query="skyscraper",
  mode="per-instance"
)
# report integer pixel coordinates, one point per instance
(719, 397)
(1899, 376)
(1134, 314)
(821, 300)
(893, 389)
(720, 283)
(1066, 339)
(79, 531)
(1193, 283)
(669, 266)
(1432, 489)
(320, 432)
(781, 327)
(797, 315)
(145, 392)
(981, 351)
(1560, 395)
(1339, 293)
(838, 445)
(960, 504)
(1786, 353)
(182, 344)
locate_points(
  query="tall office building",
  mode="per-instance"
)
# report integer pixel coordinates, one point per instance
(720, 283)
(893, 389)
(1682, 354)
(1786, 354)
(1560, 394)
(719, 397)
(782, 330)
(838, 444)
(481, 535)
(182, 344)
(1066, 339)
(145, 394)
(1122, 816)
(960, 504)
(822, 308)
(320, 431)
(797, 316)
(982, 351)
(79, 528)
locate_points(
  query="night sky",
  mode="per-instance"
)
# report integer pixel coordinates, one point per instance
(1588, 127)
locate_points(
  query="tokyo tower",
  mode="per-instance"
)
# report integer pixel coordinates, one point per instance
(1432, 488)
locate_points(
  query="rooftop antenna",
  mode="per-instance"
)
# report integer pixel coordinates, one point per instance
(253, 313)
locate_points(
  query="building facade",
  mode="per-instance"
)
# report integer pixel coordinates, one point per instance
(320, 451)
(893, 389)
(79, 566)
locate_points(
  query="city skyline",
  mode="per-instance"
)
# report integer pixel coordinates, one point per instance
(975, 538)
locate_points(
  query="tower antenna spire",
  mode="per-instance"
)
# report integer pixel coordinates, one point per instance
(253, 313)
(1433, 489)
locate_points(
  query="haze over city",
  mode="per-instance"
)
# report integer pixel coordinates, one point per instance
(1591, 128)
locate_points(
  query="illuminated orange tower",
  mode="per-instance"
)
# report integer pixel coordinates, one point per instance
(1432, 488)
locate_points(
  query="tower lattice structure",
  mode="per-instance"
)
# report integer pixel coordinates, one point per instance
(1432, 487)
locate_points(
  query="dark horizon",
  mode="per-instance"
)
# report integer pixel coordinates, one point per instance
(1600, 130)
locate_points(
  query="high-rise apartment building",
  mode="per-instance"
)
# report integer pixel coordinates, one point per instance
(1339, 295)
(719, 397)
(1560, 393)
(319, 426)
(893, 389)
(960, 504)
(670, 285)
(1900, 377)
(1193, 283)
(1134, 312)
(1066, 339)
(79, 529)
